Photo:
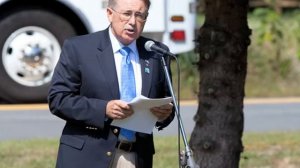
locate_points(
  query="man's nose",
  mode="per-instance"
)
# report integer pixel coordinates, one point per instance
(132, 19)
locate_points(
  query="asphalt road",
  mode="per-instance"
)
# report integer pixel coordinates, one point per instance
(26, 122)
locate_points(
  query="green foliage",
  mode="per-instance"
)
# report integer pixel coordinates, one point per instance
(189, 75)
(276, 38)
(273, 57)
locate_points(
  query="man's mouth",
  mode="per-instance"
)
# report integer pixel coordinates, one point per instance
(130, 30)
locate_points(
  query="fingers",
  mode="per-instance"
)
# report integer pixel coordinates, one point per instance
(162, 112)
(167, 108)
(117, 109)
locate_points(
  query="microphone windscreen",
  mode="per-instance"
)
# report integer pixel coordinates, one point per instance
(148, 45)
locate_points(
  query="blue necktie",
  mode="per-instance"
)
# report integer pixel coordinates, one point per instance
(127, 88)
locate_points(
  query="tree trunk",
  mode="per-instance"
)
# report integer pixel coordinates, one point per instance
(222, 44)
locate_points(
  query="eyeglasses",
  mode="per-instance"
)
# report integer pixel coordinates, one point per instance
(125, 16)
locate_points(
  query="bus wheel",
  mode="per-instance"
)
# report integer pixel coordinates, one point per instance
(30, 45)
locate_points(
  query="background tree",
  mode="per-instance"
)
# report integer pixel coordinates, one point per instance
(222, 42)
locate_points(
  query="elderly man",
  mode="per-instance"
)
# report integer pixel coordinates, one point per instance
(95, 78)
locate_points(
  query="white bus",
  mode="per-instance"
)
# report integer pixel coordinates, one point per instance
(32, 32)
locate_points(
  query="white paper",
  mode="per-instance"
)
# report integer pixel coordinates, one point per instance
(142, 120)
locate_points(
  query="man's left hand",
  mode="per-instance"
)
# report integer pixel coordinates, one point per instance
(162, 112)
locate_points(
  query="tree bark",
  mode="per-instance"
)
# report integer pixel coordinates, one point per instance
(222, 43)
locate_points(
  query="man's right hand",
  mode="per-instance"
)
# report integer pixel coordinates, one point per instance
(118, 109)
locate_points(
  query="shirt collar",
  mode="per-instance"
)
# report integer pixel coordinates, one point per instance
(116, 45)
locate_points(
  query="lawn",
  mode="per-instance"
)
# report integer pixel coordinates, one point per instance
(262, 150)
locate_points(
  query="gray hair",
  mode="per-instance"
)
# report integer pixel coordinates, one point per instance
(113, 3)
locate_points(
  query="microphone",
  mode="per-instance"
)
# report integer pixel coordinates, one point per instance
(151, 46)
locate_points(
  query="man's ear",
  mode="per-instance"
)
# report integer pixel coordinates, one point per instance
(109, 13)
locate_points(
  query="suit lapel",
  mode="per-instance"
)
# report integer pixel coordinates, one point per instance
(146, 67)
(107, 64)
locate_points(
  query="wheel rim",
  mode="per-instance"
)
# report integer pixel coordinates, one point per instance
(29, 55)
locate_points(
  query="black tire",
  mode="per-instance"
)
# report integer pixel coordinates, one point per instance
(12, 91)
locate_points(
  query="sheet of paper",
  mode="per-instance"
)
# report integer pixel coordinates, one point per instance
(142, 119)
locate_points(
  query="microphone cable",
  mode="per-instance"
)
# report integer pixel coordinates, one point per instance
(178, 103)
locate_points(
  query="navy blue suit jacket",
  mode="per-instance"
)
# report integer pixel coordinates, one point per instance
(83, 82)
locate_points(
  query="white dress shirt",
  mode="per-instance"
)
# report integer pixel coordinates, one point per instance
(134, 57)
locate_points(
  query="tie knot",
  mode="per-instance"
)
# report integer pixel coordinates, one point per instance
(125, 51)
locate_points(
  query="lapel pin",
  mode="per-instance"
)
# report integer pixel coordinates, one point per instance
(147, 70)
(147, 62)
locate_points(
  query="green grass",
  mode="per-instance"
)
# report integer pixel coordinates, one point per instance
(273, 150)
(36, 153)
(262, 150)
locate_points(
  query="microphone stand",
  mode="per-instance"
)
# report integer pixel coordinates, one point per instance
(187, 160)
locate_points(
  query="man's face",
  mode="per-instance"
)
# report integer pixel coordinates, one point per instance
(126, 19)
